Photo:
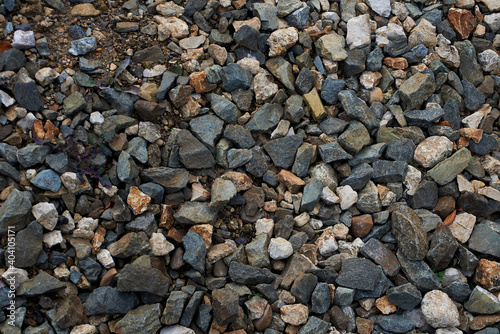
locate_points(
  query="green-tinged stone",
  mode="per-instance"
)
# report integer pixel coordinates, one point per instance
(447, 170)
(332, 46)
(317, 109)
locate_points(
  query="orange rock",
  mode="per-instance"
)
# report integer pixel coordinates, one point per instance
(265, 320)
(481, 321)
(108, 276)
(138, 200)
(463, 21)
(488, 275)
(198, 80)
(295, 314)
(98, 239)
(364, 326)
(4, 46)
(51, 131)
(290, 180)
(450, 218)
(398, 63)
(38, 129)
(462, 142)
(385, 306)
(176, 235)
(474, 134)
(310, 251)
(240, 180)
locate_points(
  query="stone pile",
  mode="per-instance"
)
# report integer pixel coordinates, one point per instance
(250, 166)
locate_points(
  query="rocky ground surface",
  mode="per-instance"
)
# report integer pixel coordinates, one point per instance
(250, 166)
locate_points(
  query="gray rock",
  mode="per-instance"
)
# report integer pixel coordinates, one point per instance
(73, 103)
(116, 123)
(407, 228)
(138, 148)
(358, 273)
(401, 150)
(248, 37)
(32, 154)
(311, 195)
(238, 157)
(469, 69)
(333, 152)
(195, 251)
(58, 162)
(144, 318)
(8, 152)
(28, 96)
(265, 118)
(204, 318)
(418, 273)
(481, 301)
(485, 145)
(90, 268)
(207, 129)
(320, 298)
(239, 136)
(145, 223)
(448, 169)
(248, 275)
(357, 109)
(192, 213)
(121, 101)
(166, 84)
(173, 308)
(193, 154)
(294, 109)
(12, 60)
(257, 251)
(332, 125)
(374, 60)
(305, 81)
(225, 109)
(381, 286)
(234, 77)
(396, 323)
(425, 196)
(473, 98)
(83, 46)
(354, 138)
(126, 168)
(381, 255)
(299, 18)
(416, 90)
(303, 287)
(282, 70)
(282, 150)
(9, 171)
(47, 180)
(355, 63)
(225, 305)
(303, 159)
(171, 179)
(139, 278)
(29, 245)
(485, 238)
(39, 285)
(108, 300)
(259, 163)
(359, 177)
(191, 308)
(423, 118)
(368, 154)
(314, 326)
(405, 296)
(343, 296)
(15, 211)
(389, 171)
(268, 15)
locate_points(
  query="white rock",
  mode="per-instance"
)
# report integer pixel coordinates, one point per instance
(489, 60)
(264, 226)
(315, 223)
(329, 197)
(326, 242)
(493, 5)
(400, 10)
(46, 75)
(351, 248)
(88, 223)
(53, 238)
(302, 219)
(381, 7)
(331, 16)
(389, 32)
(84, 329)
(46, 214)
(23, 39)
(358, 31)
(172, 26)
(493, 20)
(264, 87)
(104, 257)
(6, 99)
(281, 130)
(176, 329)
(160, 246)
(462, 226)
(62, 273)
(464, 184)
(192, 42)
(348, 197)
(156, 71)
(340, 231)
(70, 225)
(108, 191)
(280, 249)
(149, 131)
(449, 330)
(170, 9)
(251, 65)
(96, 118)
(14, 275)
(73, 184)
(439, 310)
(280, 40)
(432, 150)
(490, 192)
(412, 180)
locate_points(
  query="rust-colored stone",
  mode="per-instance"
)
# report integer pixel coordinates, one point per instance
(474, 134)
(444, 206)
(38, 129)
(488, 275)
(176, 235)
(205, 231)
(364, 326)
(138, 200)
(361, 225)
(385, 306)
(290, 180)
(108, 277)
(266, 319)
(398, 63)
(167, 216)
(482, 321)
(200, 83)
(463, 21)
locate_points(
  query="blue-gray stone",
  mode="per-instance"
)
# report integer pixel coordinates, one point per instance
(234, 77)
(238, 157)
(303, 159)
(204, 317)
(374, 59)
(76, 32)
(90, 268)
(153, 190)
(28, 96)
(239, 136)
(282, 150)
(139, 278)
(389, 171)
(299, 18)
(397, 47)
(357, 109)
(473, 98)
(452, 113)
(486, 144)
(171, 179)
(400, 150)
(359, 177)
(311, 195)
(32, 155)
(15, 211)
(248, 37)
(39, 285)
(304, 82)
(47, 180)
(108, 300)
(333, 152)
(332, 125)
(481, 301)
(145, 223)
(423, 118)
(9, 153)
(396, 323)
(343, 296)
(58, 162)
(330, 90)
(126, 168)
(368, 154)
(418, 273)
(405, 296)
(122, 102)
(83, 46)
(195, 251)
(485, 238)
(207, 129)
(12, 60)
(248, 275)
(167, 81)
(314, 326)
(268, 15)
(270, 178)
(358, 273)
(469, 69)
(224, 108)
(265, 118)
(29, 245)
(318, 63)
(138, 148)
(192, 153)
(9, 171)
